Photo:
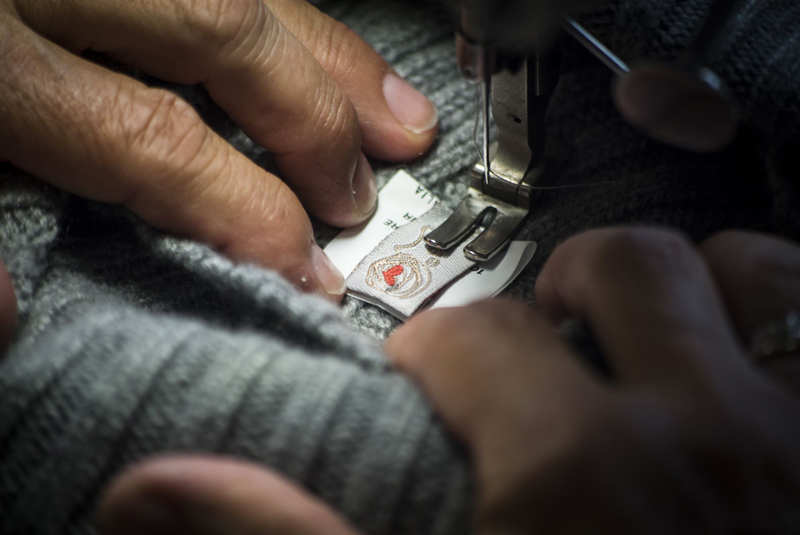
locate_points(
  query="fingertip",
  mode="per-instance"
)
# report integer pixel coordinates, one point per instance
(330, 280)
(197, 494)
(339, 199)
(127, 507)
(365, 191)
(677, 109)
(413, 110)
(409, 128)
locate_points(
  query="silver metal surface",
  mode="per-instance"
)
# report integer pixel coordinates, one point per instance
(500, 194)
(499, 197)
(486, 92)
(500, 220)
(598, 49)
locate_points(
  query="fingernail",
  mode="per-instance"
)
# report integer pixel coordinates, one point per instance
(328, 274)
(142, 516)
(409, 106)
(365, 192)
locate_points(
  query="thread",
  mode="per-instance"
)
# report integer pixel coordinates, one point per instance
(478, 150)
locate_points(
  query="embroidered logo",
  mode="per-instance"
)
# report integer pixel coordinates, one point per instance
(390, 274)
(402, 275)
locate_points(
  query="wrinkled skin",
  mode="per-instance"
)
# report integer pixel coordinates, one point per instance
(690, 438)
(299, 83)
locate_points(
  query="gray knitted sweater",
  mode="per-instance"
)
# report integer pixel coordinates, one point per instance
(132, 342)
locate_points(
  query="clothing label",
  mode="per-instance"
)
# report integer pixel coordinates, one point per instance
(403, 272)
(390, 266)
(400, 201)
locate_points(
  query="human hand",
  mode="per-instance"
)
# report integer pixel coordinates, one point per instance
(673, 107)
(8, 310)
(690, 438)
(299, 84)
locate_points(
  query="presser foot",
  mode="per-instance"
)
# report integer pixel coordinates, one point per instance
(498, 218)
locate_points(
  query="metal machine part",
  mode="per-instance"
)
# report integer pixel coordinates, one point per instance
(519, 103)
(598, 49)
(494, 49)
(492, 37)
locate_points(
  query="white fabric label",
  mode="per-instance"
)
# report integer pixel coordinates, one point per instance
(403, 272)
(401, 201)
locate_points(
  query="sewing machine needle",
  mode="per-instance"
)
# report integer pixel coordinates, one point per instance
(598, 49)
(486, 91)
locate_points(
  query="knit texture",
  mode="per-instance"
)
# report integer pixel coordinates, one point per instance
(132, 342)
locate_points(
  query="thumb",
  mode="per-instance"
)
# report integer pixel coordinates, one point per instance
(677, 109)
(8, 309)
(210, 496)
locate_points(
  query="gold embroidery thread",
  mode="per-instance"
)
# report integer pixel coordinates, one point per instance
(401, 275)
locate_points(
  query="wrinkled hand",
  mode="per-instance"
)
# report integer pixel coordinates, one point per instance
(300, 84)
(689, 438)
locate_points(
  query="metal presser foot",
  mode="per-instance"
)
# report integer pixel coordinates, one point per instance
(500, 197)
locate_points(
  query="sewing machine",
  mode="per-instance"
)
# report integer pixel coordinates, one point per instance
(509, 48)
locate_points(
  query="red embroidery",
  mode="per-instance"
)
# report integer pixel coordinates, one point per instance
(390, 274)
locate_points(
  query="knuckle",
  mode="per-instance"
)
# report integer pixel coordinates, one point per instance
(333, 125)
(505, 314)
(219, 24)
(426, 331)
(337, 48)
(277, 206)
(489, 327)
(161, 125)
(450, 320)
(334, 113)
(650, 250)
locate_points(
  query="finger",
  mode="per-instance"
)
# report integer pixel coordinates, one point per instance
(651, 302)
(192, 495)
(498, 375)
(108, 138)
(676, 109)
(8, 309)
(397, 122)
(253, 67)
(759, 277)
